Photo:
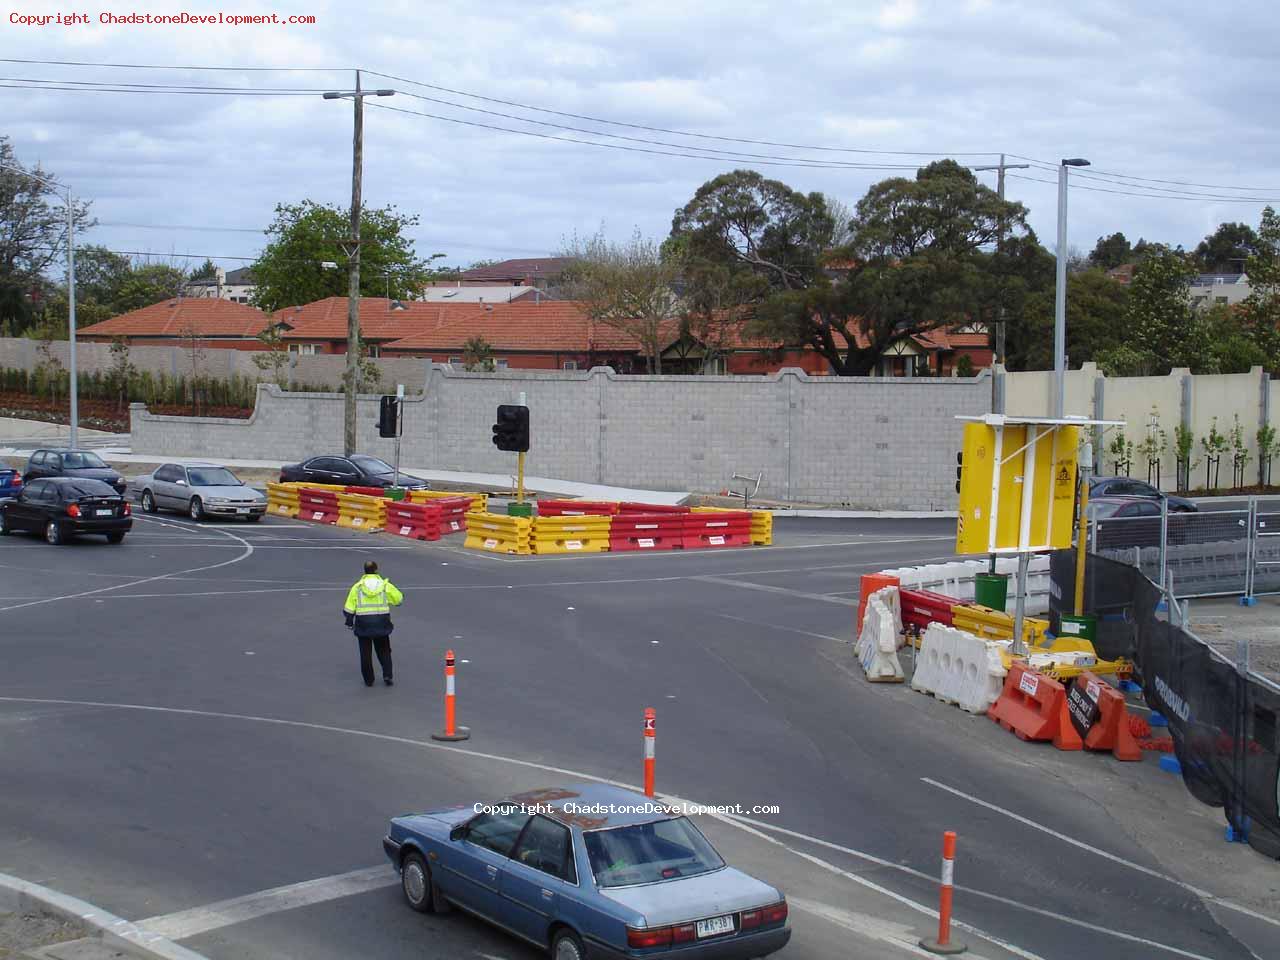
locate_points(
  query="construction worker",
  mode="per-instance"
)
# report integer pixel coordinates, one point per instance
(368, 613)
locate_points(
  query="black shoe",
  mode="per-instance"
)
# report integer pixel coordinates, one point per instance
(368, 683)
(388, 681)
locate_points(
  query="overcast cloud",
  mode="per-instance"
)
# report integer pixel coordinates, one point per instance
(1163, 91)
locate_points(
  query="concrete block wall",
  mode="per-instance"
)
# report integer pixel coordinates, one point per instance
(865, 442)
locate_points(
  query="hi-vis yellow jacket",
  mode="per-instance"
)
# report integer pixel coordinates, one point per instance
(368, 606)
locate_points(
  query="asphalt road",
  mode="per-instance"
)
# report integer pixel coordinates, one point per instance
(186, 740)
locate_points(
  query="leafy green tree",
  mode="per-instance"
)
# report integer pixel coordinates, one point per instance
(121, 372)
(1260, 313)
(206, 271)
(273, 358)
(1096, 309)
(1110, 252)
(917, 264)
(1160, 323)
(305, 236)
(477, 355)
(1227, 248)
(147, 284)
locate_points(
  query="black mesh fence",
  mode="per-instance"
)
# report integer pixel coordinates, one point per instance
(1222, 719)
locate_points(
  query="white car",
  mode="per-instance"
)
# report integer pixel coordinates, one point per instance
(199, 490)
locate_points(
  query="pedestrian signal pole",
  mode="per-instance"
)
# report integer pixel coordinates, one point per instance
(511, 434)
(520, 462)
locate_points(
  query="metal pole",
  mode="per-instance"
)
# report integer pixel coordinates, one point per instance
(399, 427)
(1020, 607)
(1164, 536)
(520, 477)
(1082, 524)
(353, 285)
(71, 319)
(1060, 301)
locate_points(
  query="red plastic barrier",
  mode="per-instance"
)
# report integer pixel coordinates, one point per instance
(1034, 707)
(320, 506)
(1111, 731)
(367, 491)
(418, 521)
(646, 531)
(923, 607)
(576, 508)
(626, 507)
(453, 514)
(721, 529)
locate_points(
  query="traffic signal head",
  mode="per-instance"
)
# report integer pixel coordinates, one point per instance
(511, 432)
(389, 417)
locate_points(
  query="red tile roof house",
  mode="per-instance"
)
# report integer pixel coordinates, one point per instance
(219, 323)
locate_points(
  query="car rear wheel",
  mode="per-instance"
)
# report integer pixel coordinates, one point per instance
(566, 946)
(148, 501)
(196, 509)
(53, 533)
(415, 882)
(4, 525)
(115, 538)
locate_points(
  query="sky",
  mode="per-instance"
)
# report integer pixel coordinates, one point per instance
(1163, 92)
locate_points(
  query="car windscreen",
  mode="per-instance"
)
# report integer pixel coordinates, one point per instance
(85, 488)
(1100, 511)
(372, 464)
(82, 461)
(649, 853)
(212, 477)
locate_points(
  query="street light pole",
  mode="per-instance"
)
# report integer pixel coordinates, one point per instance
(1060, 294)
(352, 378)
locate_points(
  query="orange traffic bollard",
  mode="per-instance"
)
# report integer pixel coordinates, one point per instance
(944, 943)
(451, 732)
(649, 736)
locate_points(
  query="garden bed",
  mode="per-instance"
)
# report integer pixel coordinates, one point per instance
(102, 415)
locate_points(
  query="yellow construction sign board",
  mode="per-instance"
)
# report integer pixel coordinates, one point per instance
(1017, 486)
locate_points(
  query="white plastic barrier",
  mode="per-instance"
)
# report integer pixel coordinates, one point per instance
(956, 580)
(878, 643)
(957, 667)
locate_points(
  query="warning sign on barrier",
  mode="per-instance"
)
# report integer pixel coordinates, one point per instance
(1083, 706)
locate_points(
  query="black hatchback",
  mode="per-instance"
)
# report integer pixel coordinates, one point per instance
(63, 507)
(71, 463)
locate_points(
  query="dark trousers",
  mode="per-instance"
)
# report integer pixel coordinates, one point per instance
(382, 647)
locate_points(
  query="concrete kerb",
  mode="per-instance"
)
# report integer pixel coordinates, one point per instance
(17, 895)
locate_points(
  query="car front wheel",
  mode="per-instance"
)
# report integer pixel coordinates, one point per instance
(415, 882)
(4, 525)
(197, 509)
(148, 501)
(566, 946)
(53, 533)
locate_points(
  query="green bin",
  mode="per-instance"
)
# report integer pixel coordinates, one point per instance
(991, 590)
(396, 493)
(519, 509)
(1081, 628)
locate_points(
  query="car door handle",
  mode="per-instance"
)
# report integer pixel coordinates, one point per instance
(547, 894)
(492, 870)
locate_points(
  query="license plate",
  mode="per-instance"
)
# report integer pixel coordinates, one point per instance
(105, 513)
(242, 509)
(715, 927)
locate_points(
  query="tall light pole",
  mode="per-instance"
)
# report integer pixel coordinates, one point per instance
(353, 260)
(1060, 294)
(71, 293)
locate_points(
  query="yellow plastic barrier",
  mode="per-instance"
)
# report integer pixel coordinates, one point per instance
(282, 500)
(303, 484)
(356, 511)
(761, 522)
(571, 534)
(497, 533)
(996, 625)
(479, 501)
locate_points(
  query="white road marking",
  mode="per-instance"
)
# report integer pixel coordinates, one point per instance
(747, 824)
(774, 626)
(873, 928)
(1203, 894)
(770, 588)
(189, 923)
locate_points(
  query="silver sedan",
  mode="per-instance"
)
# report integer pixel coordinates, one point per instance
(199, 490)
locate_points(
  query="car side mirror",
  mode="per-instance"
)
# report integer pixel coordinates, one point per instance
(181, 483)
(458, 833)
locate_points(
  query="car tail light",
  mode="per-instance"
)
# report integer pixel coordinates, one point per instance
(657, 937)
(775, 913)
(684, 933)
(73, 510)
(17, 481)
(750, 919)
(128, 510)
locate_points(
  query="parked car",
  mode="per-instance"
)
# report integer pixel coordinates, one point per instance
(1128, 487)
(588, 870)
(199, 490)
(10, 482)
(71, 463)
(64, 507)
(1122, 508)
(357, 470)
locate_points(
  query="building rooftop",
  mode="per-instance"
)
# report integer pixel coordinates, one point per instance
(210, 317)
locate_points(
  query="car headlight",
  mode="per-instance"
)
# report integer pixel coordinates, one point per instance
(219, 500)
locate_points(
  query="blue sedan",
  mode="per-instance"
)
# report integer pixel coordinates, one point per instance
(588, 871)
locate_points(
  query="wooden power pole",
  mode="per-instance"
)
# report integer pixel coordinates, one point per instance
(1000, 168)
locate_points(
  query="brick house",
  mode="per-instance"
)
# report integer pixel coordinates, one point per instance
(218, 322)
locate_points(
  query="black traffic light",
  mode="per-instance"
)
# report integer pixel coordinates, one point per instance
(389, 417)
(959, 469)
(511, 432)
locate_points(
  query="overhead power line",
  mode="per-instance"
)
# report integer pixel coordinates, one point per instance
(1150, 196)
(19, 83)
(161, 66)
(1095, 174)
